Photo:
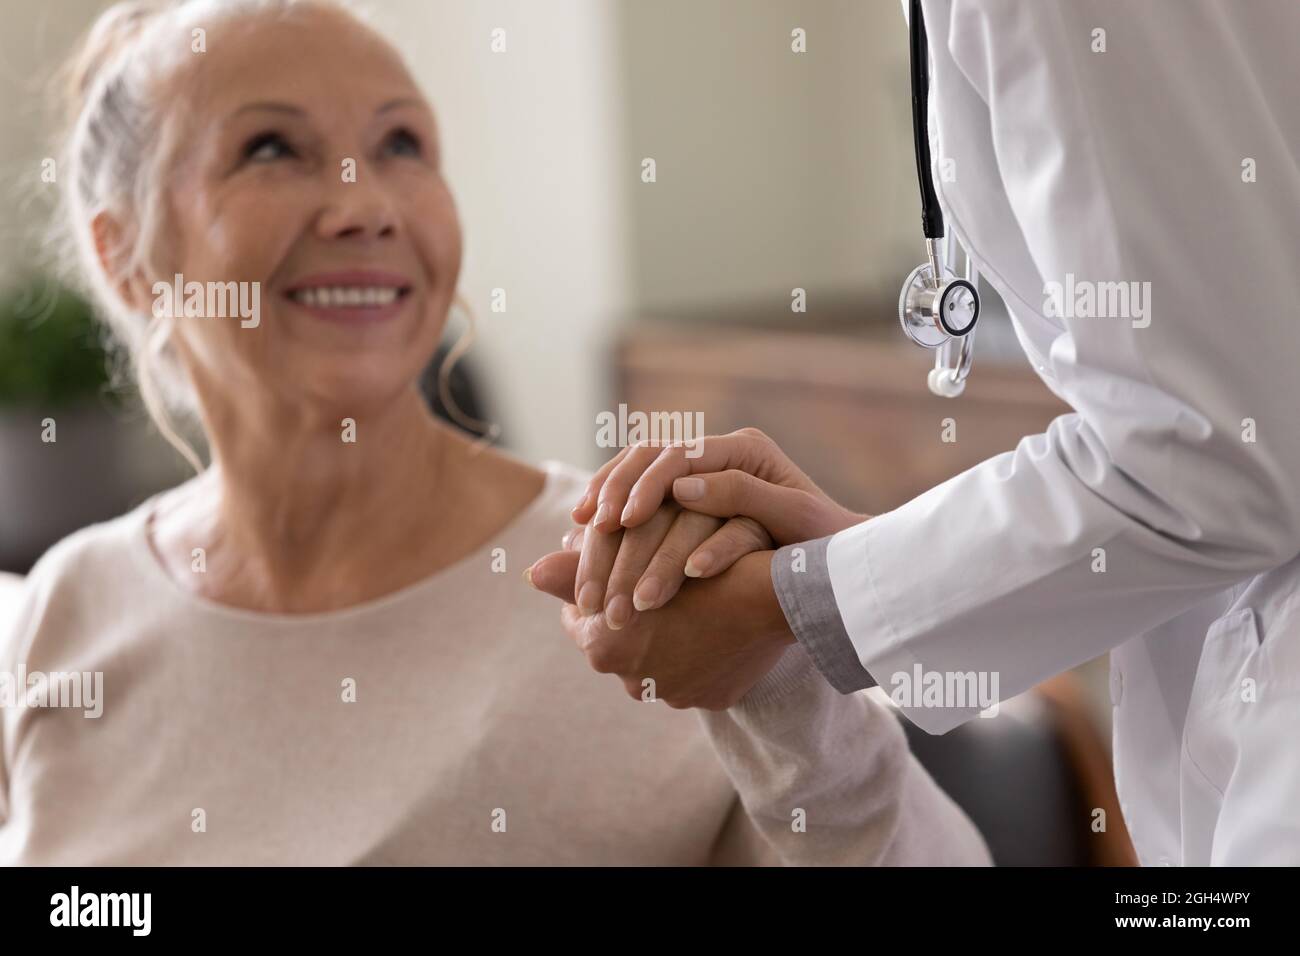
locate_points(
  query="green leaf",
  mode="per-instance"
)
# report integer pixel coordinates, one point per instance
(50, 352)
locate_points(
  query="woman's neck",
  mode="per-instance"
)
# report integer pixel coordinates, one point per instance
(298, 516)
(304, 491)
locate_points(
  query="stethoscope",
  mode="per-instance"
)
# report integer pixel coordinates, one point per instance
(937, 309)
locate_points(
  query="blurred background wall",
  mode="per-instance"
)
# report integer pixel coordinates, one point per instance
(34, 37)
(776, 169)
(533, 141)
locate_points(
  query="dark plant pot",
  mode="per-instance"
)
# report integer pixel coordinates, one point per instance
(100, 465)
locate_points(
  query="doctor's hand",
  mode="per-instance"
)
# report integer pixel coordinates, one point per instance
(742, 475)
(707, 648)
(649, 560)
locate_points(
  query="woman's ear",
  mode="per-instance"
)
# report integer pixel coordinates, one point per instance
(110, 248)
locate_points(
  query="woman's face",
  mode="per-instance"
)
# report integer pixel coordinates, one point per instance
(311, 167)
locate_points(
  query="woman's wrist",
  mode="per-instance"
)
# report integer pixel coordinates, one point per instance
(761, 610)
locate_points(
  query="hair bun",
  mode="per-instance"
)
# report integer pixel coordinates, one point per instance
(111, 33)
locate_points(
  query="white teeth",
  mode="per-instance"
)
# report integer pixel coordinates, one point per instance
(346, 296)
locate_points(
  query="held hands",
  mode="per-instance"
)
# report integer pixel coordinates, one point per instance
(622, 571)
(718, 637)
(707, 648)
(740, 474)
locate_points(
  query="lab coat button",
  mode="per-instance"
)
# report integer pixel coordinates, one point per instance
(1116, 685)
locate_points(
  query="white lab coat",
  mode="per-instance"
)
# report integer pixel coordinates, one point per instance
(1125, 165)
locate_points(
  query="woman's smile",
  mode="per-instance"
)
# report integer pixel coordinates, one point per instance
(353, 296)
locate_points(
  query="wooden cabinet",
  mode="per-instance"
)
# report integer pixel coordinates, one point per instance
(852, 409)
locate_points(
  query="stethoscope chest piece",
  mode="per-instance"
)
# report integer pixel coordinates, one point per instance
(931, 313)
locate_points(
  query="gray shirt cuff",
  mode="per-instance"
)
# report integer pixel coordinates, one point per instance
(803, 587)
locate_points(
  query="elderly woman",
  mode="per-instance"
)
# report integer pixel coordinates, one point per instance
(310, 652)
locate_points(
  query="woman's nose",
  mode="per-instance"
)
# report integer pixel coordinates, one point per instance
(358, 208)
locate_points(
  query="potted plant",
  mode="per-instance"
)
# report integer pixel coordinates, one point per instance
(70, 445)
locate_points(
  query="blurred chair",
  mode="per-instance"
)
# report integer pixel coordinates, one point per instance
(1032, 780)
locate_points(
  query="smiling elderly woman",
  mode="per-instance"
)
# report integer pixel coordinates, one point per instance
(307, 652)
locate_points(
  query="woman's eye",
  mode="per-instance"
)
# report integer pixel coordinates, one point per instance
(267, 146)
(405, 142)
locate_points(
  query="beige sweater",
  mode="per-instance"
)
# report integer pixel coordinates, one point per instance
(477, 733)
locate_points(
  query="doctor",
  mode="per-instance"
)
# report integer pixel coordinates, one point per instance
(1109, 149)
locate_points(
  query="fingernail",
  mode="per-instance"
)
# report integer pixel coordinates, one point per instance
(627, 511)
(589, 598)
(688, 489)
(618, 612)
(646, 594)
(698, 564)
(566, 540)
(581, 504)
(603, 513)
(528, 576)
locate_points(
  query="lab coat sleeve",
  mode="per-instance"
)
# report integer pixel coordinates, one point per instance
(1178, 473)
(827, 779)
(803, 589)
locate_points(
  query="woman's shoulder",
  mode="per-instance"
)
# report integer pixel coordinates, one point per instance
(545, 519)
(91, 563)
(541, 494)
(102, 544)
